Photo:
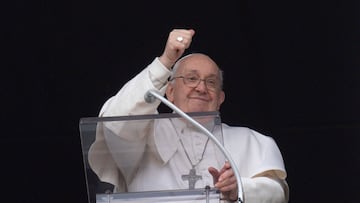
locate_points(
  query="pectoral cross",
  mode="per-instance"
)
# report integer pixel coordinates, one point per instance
(192, 178)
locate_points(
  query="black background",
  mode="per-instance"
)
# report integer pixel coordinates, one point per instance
(291, 71)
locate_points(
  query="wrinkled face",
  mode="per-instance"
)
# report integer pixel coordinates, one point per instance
(205, 96)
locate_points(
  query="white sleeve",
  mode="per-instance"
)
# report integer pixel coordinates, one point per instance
(265, 190)
(130, 99)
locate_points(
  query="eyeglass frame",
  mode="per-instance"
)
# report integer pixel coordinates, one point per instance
(187, 81)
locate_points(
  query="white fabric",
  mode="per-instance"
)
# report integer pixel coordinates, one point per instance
(254, 153)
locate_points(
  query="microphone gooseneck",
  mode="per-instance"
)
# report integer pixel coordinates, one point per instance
(150, 97)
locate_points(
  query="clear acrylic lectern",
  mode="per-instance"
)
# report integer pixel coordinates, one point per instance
(151, 158)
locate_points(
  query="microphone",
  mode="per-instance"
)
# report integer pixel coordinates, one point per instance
(151, 95)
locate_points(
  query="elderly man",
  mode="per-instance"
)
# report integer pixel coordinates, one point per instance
(195, 85)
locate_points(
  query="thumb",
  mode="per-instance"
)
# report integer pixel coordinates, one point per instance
(215, 174)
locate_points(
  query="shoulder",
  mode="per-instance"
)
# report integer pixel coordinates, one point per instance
(260, 152)
(245, 134)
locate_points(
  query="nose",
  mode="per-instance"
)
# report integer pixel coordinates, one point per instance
(201, 86)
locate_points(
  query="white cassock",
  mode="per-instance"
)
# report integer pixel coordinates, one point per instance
(159, 161)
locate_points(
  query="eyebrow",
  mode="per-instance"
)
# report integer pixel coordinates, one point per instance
(197, 72)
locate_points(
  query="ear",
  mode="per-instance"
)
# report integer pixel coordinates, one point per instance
(221, 99)
(170, 92)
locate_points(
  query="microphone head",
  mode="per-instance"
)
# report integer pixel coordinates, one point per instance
(149, 97)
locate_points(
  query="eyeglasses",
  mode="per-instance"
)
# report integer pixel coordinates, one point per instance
(193, 81)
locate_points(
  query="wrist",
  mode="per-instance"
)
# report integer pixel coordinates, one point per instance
(166, 62)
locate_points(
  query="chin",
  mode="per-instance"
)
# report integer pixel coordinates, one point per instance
(198, 109)
(197, 106)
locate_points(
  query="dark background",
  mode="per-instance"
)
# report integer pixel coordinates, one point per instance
(291, 71)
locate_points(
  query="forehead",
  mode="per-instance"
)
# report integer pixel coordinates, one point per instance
(199, 64)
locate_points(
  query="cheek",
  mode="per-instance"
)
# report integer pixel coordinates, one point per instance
(179, 98)
(180, 93)
(175, 97)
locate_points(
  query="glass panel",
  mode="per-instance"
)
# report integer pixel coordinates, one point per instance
(161, 157)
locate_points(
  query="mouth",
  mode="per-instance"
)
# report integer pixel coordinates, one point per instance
(200, 98)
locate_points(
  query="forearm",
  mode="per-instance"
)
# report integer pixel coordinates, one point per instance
(130, 99)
